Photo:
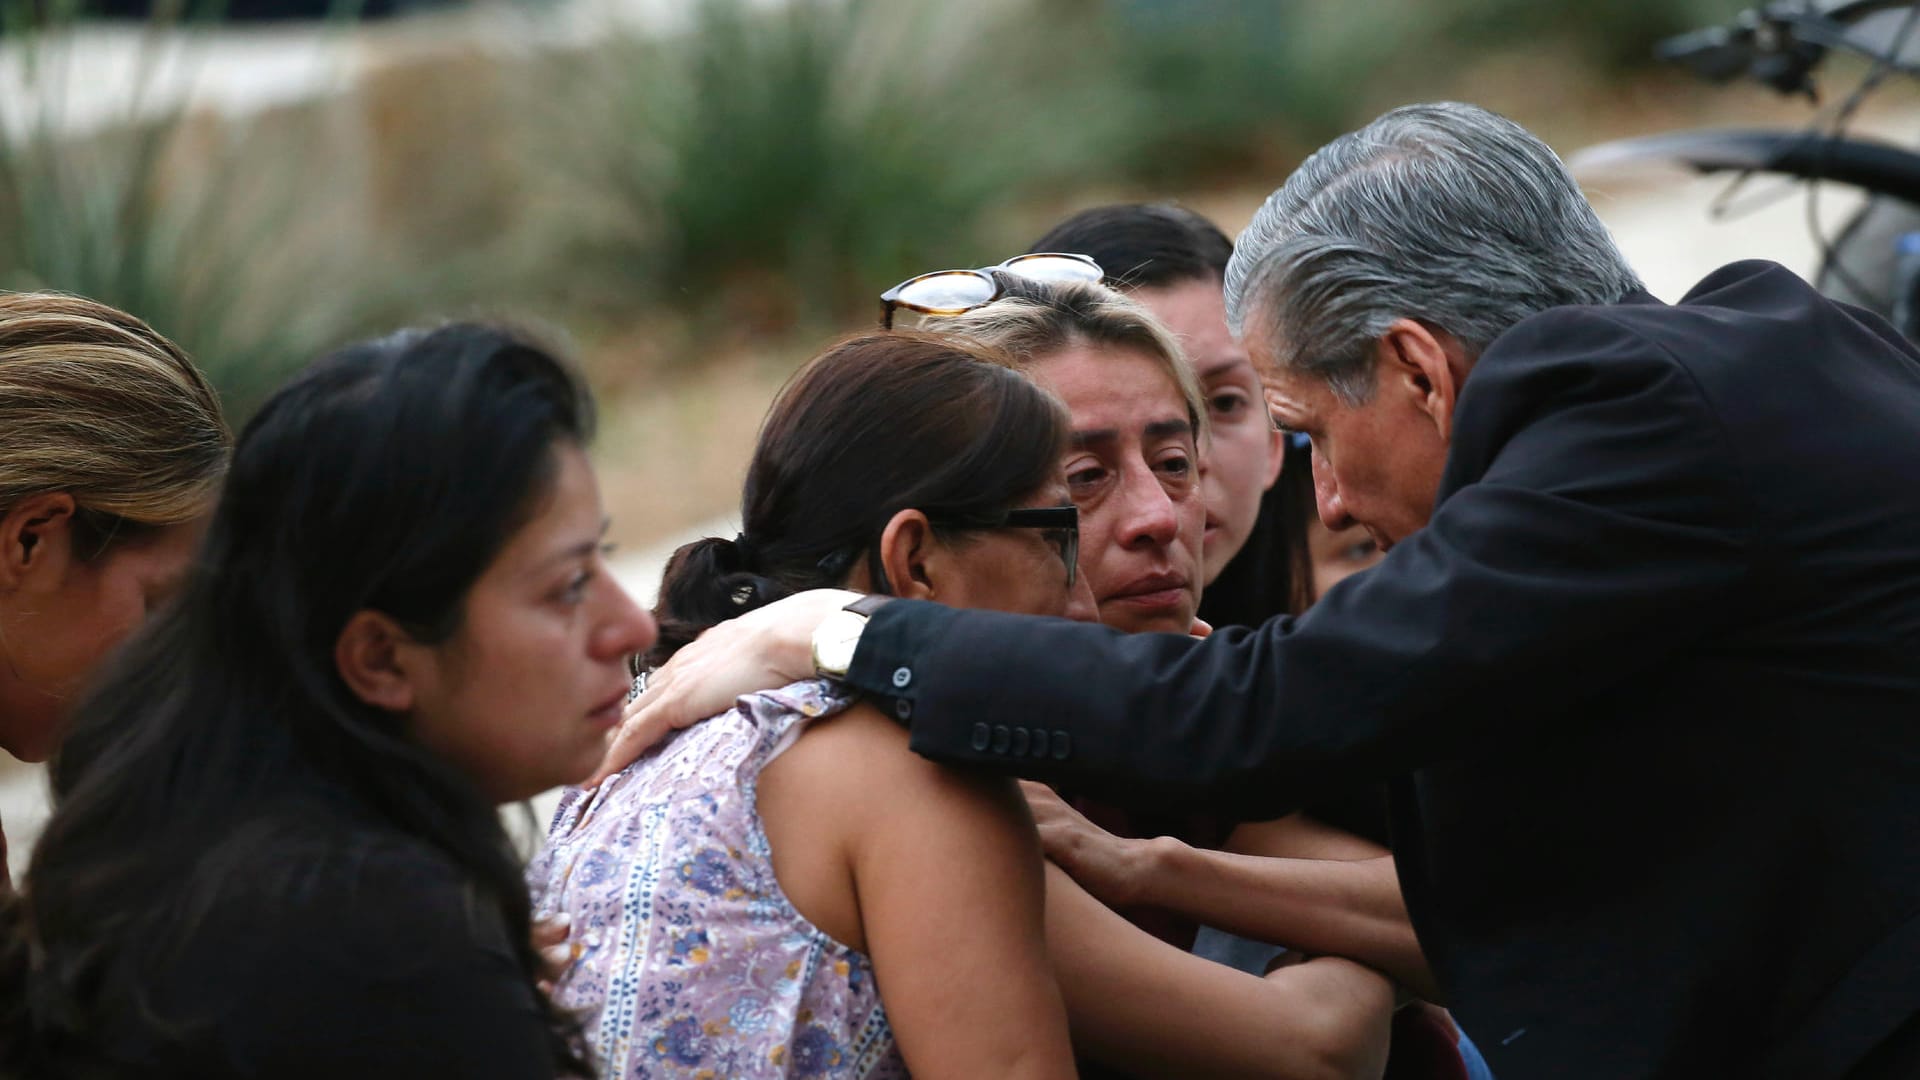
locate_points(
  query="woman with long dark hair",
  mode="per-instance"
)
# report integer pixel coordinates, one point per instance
(786, 889)
(275, 850)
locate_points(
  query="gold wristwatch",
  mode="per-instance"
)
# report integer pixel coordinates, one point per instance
(838, 635)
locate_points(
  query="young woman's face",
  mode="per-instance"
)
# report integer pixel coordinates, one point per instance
(63, 615)
(1133, 471)
(1243, 447)
(524, 693)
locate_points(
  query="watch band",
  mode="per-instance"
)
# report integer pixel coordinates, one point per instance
(869, 604)
(838, 636)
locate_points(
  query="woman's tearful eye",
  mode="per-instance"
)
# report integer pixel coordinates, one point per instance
(1228, 406)
(1177, 469)
(1086, 478)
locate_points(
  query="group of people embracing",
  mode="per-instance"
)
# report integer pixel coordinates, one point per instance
(286, 680)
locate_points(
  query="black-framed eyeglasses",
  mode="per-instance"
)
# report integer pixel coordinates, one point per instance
(1058, 525)
(955, 292)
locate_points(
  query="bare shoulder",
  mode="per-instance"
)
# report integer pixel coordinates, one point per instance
(865, 754)
(849, 794)
(860, 729)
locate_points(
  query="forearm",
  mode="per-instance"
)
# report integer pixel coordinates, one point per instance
(1323, 907)
(1298, 836)
(1141, 1004)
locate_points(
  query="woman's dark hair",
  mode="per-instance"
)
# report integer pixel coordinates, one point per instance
(1144, 245)
(1297, 506)
(387, 476)
(1273, 573)
(875, 425)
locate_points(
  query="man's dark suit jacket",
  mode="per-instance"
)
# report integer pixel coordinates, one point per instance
(1648, 682)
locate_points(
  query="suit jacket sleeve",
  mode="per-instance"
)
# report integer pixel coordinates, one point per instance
(1591, 527)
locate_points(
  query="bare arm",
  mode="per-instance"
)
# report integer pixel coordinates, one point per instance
(1348, 905)
(1346, 908)
(938, 880)
(1143, 1005)
(1298, 836)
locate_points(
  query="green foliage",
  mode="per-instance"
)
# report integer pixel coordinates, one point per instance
(782, 165)
(766, 166)
(214, 235)
(1213, 79)
(1616, 34)
(1210, 78)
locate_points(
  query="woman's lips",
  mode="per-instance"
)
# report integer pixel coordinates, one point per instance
(1155, 592)
(608, 712)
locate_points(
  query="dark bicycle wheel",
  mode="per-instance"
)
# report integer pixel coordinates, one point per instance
(1863, 260)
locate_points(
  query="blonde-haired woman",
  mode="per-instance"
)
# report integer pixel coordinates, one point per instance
(111, 446)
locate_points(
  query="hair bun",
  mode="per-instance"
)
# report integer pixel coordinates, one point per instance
(706, 583)
(743, 555)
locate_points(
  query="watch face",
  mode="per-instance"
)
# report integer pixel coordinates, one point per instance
(834, 642)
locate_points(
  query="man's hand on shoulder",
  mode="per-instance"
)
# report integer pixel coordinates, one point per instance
(761, 650)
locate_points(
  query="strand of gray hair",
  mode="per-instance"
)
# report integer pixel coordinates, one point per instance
(1444, 213)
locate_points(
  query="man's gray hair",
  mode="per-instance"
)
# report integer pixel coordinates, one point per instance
(1444, 213)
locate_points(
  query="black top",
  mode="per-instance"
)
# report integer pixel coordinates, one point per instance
(374, 960)
(1258, 582)
(1654, 665)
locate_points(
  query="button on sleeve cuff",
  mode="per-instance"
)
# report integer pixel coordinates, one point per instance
(894, 641)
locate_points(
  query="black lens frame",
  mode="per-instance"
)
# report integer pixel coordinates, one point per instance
(1062, 519)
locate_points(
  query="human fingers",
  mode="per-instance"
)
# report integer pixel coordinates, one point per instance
(762, 650)
(1048, 809)
(551, 930)
(551, 945)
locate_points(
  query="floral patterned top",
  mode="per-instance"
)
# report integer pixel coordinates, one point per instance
(690, 960)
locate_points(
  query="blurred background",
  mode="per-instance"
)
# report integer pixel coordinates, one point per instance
(695, 194)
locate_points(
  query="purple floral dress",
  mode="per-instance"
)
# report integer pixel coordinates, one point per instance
(691, 961)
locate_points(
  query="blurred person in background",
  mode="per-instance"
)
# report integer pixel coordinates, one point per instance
(813, 897)
(112, 445)
(274, 849)
(1333, 555)
(1642, 647)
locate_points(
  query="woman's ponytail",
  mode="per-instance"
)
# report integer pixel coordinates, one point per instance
(706, 583)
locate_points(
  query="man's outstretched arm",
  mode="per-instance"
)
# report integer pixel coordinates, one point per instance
(1591, 534)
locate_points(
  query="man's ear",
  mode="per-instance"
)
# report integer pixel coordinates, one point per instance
(1428, 365)
(906, 544)
(370, 654)
(36, 540)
